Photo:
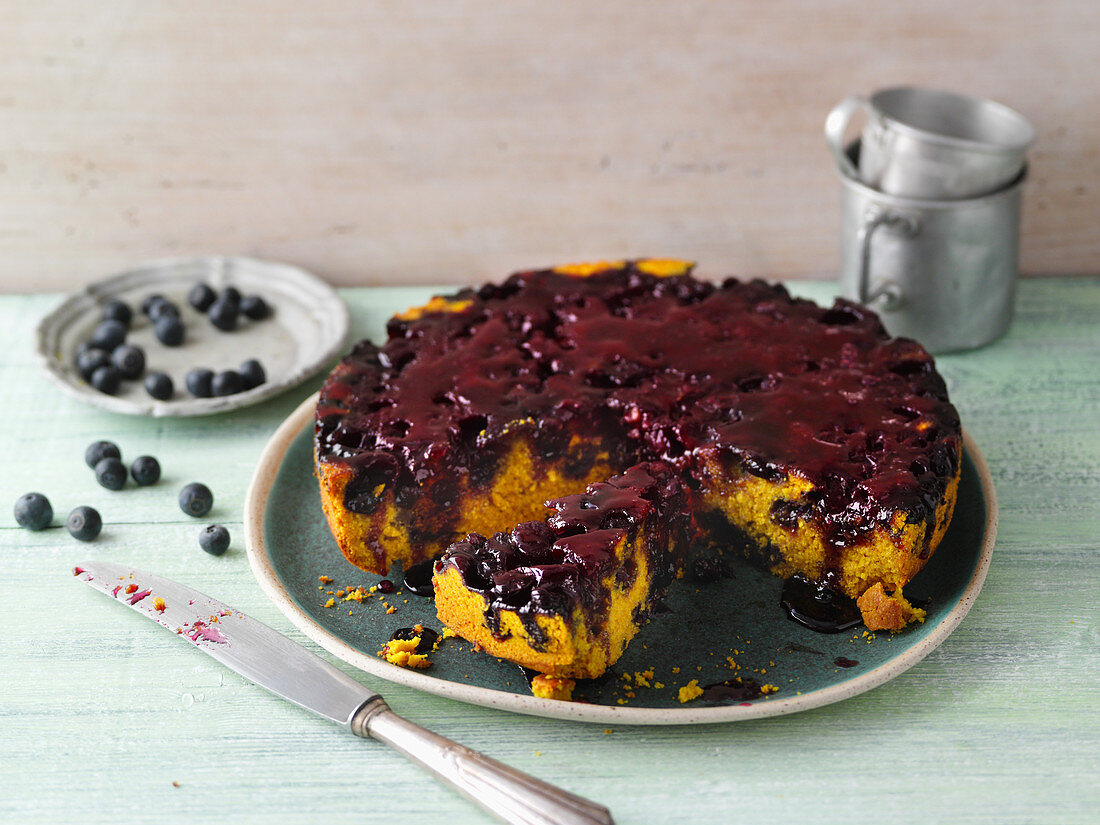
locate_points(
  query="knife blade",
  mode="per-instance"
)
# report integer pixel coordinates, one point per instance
(287, 669)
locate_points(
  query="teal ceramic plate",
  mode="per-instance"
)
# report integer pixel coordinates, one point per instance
(712, 632)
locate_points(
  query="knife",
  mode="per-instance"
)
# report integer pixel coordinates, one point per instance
(287, 669)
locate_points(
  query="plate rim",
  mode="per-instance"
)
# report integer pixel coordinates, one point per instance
(259, 559)
(73, 303)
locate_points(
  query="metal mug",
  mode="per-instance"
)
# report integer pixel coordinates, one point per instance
(921, 143)
(940, 271)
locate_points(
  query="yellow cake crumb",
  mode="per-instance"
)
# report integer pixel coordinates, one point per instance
(324, 580)
(690, 691)
(402, 652)
(553, 687)
(766, 689)
(330, 602)
(887, 611)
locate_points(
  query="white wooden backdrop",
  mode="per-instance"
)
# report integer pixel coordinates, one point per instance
(390, 142)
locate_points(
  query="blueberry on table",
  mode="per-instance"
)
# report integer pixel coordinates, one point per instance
(84, 523)
(33, 511)
(108, 335)
(214, 539)
(91, 359)
(99, 450)
(129, 361)
(111, 473)
(106, 379)
(228, 382)
(255, 307)
(159, 385)
(169, 330)
(196, 499)
(117, 311)
(252, 373)
(198, 382)
(145, 470)
(148, 302)
(223, 313)
(201, 296)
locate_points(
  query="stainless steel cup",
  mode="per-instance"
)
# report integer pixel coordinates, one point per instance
(921, 143)
(940, 271)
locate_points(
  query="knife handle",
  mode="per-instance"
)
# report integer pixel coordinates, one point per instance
(508, 794)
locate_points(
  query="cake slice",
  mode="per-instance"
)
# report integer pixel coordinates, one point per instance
(564, 596)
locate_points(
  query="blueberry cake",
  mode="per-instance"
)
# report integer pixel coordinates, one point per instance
(565, 595)
(805, 434)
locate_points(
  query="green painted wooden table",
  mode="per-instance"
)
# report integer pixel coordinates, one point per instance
(106, 718)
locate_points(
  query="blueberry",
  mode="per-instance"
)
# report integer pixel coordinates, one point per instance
(129, 361)
(145, 470)
(198, 382)
(233, 295)
(196, 499)
(91, 359)
(255, 307)
(252, 373)
(228, 382)
(201, 297)
(162, 308)
(159, 385)
(118, 311)
(106, 379)
(33, 511)
(223, 313)
(111, 473)
(149, 300)
(84, 523)
(214, 539)
(108, 335)
(169, 330)
(99, 450)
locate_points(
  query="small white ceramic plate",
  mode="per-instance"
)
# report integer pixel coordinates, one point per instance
(289, 547)
(306, 329)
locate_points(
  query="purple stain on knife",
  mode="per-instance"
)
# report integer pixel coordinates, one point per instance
(137, 597)
(201, 631)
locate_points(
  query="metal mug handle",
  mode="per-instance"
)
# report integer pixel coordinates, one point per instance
(886, 291)
(836, 124)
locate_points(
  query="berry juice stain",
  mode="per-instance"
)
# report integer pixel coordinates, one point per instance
(842, 661)
(818, 606)
(418, 578)
(738, 689)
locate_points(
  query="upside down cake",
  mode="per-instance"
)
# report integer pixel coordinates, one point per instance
(806, 433)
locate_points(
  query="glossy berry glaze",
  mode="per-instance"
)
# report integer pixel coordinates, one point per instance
(658, 368)
(548, 567)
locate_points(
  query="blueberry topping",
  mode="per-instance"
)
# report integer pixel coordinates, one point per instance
(158, 385)
(201, 297)
(252, 373)
(106, 379)
(198, 382)
(255, 307)
(214, 539)
(427, 636)
(228, 382)
(33, 511)
(129, 361)
(149, 301)
(145, 470)
(108, 335)
(99, 450)
(118, 311)
(91, 359)
(169, 330)
(196, 499)
(84, 523)
(111, 473)
(386, 586)
(418, 578)
(223, 313)
(233, 295)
